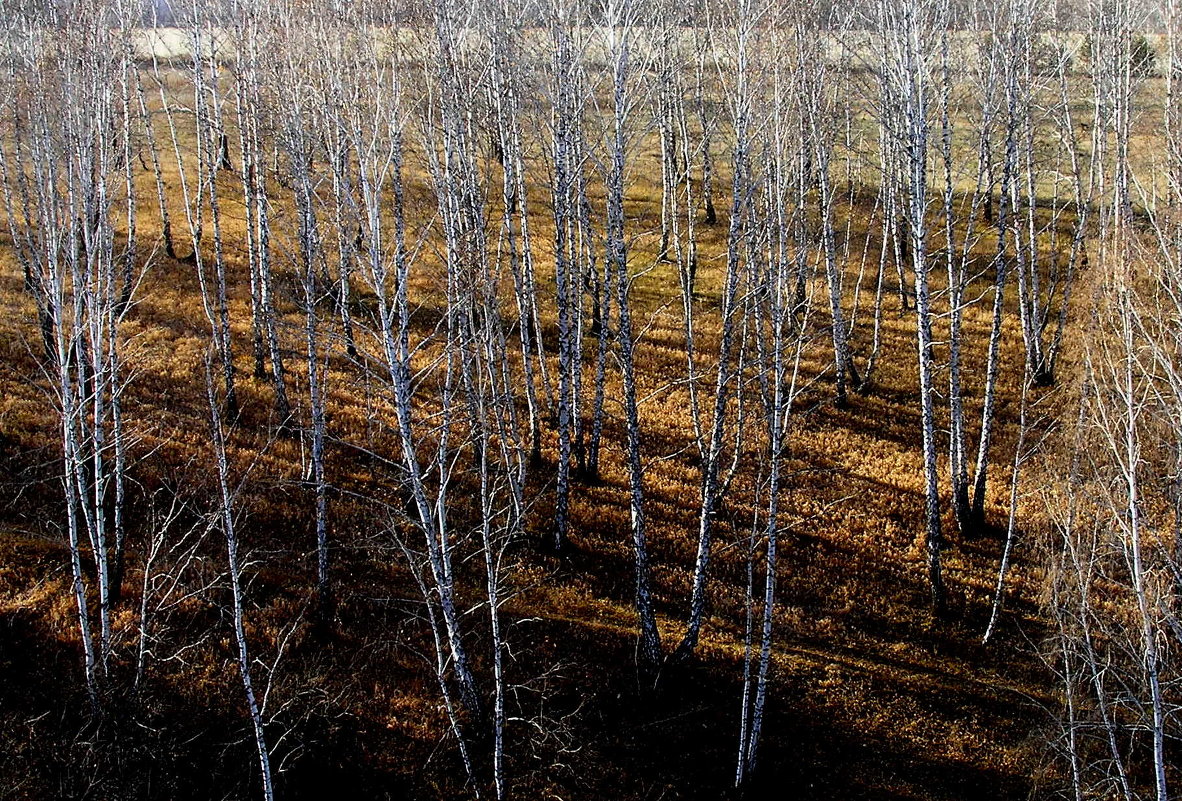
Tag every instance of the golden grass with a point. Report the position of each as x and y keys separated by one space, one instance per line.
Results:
x=871 y=697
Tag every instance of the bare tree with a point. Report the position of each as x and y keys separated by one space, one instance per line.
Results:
x=714 y=478
x=63 y=193
x=226 y=513
x=566 y=146
x=620 y=19
x=910 y=32
x=780 y=318
x=251 y=68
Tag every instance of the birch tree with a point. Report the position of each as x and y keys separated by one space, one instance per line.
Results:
x=780 y=318
x=908 y=30
x=737 y=81
x=65 y=185
x=565 y=147
x=620 y=19
x=226 y=514
x=250 y=66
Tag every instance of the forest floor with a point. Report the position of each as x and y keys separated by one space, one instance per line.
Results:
x=872 y=697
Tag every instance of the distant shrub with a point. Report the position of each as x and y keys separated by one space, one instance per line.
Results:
x=1047 y=55
x=1142 y=55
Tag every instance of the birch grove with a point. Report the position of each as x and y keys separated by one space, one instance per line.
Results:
x=505 y=384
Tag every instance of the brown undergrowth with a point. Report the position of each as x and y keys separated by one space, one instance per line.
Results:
x=872 y=697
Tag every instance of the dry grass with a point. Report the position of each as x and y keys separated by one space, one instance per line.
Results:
x=871 y=697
